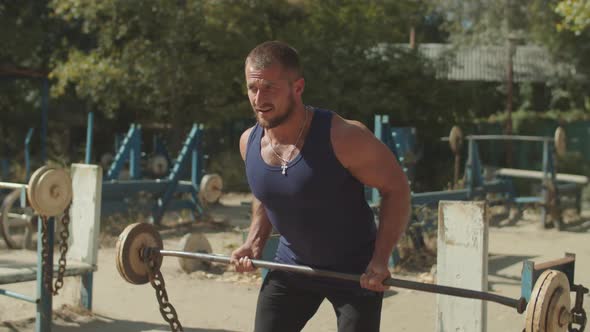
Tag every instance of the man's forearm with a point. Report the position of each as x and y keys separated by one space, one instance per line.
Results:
x=260 y=228
x=393 y=217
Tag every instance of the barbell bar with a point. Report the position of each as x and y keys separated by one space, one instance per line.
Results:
x=559 y=139
x=518 y=304
x=548 y=311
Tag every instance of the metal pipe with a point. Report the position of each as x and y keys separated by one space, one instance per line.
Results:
x=18 y=219
x=28 y=153
x=89 y=128
x=18 y=296
x=10 y=185
x=518 y=304
x=506 y=137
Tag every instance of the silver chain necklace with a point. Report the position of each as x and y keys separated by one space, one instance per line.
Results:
x=284 y=162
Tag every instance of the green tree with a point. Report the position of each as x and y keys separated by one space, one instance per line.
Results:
x=575 y=13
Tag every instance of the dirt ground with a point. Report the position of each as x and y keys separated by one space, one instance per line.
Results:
x=223 y=301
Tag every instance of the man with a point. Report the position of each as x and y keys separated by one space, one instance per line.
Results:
x=307 y=168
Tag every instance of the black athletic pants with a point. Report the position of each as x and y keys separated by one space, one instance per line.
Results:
x=286 y=302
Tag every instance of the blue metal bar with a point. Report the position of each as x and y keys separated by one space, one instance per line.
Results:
x=18 y=296
x=135 y=155
x=380 y=121
x=197 y=158
x=527 y=282
x=44 y=306
x=28 y=153
x=183 y=157
x=197 y=170
x=44 y=117
x=123 y=153
x=5 y=166
x=89 y=129
x=86 y=291
x=129 y=187
x=473 y=169
x=433 y=197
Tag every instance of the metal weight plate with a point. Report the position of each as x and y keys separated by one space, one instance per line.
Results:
x=194 y=242
x=560 y=141
x=549 y=306
x=33 y=180
x=51 y=193
x=15 y=223
x=106 y=160
x=128 y=249
x=456 y=139
x=159 y=165
x=211 y=188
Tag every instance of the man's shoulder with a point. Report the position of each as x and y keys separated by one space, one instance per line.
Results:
x=244 y=140
x=343 y=129
x=348 y=138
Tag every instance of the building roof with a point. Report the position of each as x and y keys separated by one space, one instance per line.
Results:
x=489 y=63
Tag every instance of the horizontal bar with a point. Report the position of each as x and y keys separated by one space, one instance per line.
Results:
x=18 y=296
x=17 y=219
x=433 y=197
x=10 y=185
x=519 y=304
x=118 y=190
x=505 y=138
x=556 y=262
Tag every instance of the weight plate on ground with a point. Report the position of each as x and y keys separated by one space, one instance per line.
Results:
x=159 y=165
x=549 y=306
x=131 y=242
x=33 y=180
x=560 y=141
x=106 y=160
x=15 y=223
x=456 y=139
x=195 y=242
x=211 y=188
x=51 y=194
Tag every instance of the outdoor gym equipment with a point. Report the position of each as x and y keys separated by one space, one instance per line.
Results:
x=139 y=255
x=164 y=194
x=52 y=192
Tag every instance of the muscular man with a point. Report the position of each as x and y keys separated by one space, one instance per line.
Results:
x=307 y=168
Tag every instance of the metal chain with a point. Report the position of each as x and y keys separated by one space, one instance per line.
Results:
x=578 y=313
x=63 y=249
x=46 y=267
x=157 y=281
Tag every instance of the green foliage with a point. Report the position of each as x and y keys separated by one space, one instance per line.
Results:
x=179 y=62
x=576 y=15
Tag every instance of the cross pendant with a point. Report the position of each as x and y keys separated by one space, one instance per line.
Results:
x=284 y=169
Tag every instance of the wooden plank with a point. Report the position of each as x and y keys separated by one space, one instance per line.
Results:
x=538 y=175
x=22 y=272
x=462 y=261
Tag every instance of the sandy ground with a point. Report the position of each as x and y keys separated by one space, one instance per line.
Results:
x=220 y=300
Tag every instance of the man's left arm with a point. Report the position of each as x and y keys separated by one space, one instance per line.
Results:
x=373 y=163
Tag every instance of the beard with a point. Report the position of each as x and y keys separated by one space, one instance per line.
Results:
x=280 y=118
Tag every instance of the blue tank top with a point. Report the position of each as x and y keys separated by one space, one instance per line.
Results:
x=318 y=208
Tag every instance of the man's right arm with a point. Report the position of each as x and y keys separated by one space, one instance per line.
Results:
x=260 y=227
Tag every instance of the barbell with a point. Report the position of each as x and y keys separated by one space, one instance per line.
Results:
x=49 y=190
x=559 y=139
x=49 y=193
x=548 y=310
